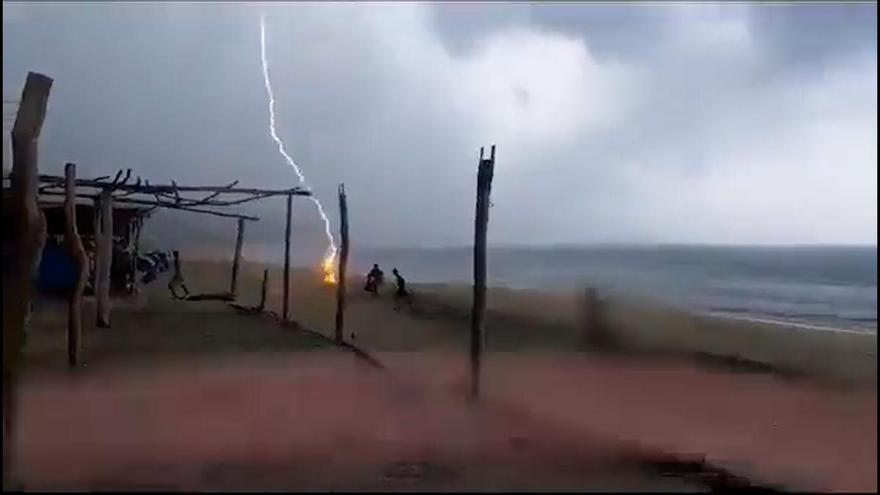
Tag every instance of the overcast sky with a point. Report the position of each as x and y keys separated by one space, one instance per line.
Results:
x=689 y=123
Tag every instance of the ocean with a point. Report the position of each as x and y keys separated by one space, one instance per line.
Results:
x=822 y=286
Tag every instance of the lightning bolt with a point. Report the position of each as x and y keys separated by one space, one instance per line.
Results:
x=330 y=254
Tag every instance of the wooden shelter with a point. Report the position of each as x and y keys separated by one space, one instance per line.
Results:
x=87 y=216
x=91 y=219
x=127 y=223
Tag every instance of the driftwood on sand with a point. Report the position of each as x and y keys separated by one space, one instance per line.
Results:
x=218 y=296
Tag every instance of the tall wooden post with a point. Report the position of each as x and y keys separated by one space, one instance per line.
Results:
x=481 y=221
x=81 y=265
x=233 y=284
x=104 y=257
x=28 y=227
x=343 y=262
x=263 y=290
x=285 y=312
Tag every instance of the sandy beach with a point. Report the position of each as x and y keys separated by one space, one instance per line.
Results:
x=520 y=320
x=417 y=246
x=195 y=384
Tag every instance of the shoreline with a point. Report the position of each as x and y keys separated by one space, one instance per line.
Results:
x=554 y=321
x=642 y=325
x=791 y=323
x=653 y=300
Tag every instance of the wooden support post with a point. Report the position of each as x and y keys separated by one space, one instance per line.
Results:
x=233 y=284
x=104 y=257
x=26 y=223
x=285 y=312
x=96 y=249
x=343 y=262
x=481 y=222
x=263 y=290
x=129 y=248
x=135 y=251
x=81 y=266
x=96 y=239
x=132 y=260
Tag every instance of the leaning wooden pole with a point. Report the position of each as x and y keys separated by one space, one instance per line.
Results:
x=343 y=263
x=263 y=290
x=239 y=239
x=104 y=257
x=81 y=266
x=481 y=222
x=27 y=226
x=285 y=312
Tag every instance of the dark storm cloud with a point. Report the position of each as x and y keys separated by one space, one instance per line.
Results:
x=609 y=29
x=801 y=35
x=614 y=122
x=175 y=92
x=814 y=35
x=752 y=78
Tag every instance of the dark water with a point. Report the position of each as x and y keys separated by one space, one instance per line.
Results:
x=827 y=286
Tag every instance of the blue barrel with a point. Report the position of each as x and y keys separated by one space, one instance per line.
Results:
x=57 y=272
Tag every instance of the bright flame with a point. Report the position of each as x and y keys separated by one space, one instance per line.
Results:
x=328 y=263
x=328 y=267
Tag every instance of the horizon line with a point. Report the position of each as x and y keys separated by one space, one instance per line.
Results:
x=627 y=244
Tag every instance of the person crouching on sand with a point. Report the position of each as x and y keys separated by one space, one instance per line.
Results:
x=177 y=279
x=401 y=294
x=374 y=280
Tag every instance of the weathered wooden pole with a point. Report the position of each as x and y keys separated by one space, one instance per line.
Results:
x=343 y=262
x=285 y=312
x=96 y=239
x=263 y=290
x=26 y=223
x=481 y=222
x=233 y=284
x=137 y=249
x=96 y=230
x=129 y=247
x=104 y=256
x=81 y=266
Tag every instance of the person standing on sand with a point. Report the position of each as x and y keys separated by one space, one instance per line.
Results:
x=177 y=279
x=401 y=293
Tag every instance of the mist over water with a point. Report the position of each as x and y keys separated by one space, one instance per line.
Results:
x=828 y=286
